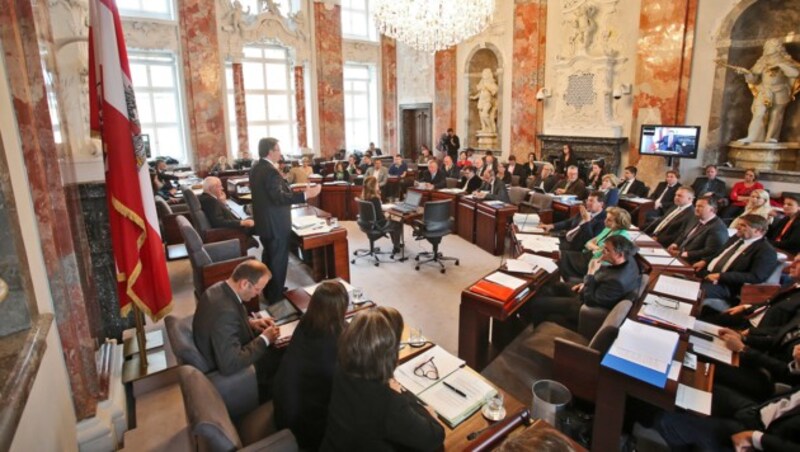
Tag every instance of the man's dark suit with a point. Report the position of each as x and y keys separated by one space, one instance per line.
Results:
x=586 y=231
x=496 y=191
x=518 y=170
x=702 y=242
x=528 y=170
x=549 y=183
x=668 y=200
x=752 y=266
x=218 y=215
x=638 y=188
x=272 y=212
x=790 y=240
x=702 y=185
x=672 y=230
x=473 y=184
x=438 y=180
x=454 y=172
x=577 y=188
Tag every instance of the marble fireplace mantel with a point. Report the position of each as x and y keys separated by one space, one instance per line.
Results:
x=585 y=148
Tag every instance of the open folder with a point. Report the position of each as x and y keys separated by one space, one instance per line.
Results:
x=643 y=352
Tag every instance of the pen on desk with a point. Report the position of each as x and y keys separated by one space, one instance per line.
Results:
x=454 y=389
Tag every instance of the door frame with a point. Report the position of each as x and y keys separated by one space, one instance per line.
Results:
x=417 y=106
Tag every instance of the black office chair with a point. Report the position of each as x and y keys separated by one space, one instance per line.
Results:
x=368 y=223
x=436 y=223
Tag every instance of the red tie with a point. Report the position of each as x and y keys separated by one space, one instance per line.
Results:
x=785 y=228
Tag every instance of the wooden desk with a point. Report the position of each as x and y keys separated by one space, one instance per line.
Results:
x=329 y=250
x=491 y=226
x=335 y=199
x=638 y=210
x=456 y=439
x=678 y=266
x=465 y=211
x=564 y=210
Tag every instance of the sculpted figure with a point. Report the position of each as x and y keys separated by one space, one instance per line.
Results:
x=487 y=101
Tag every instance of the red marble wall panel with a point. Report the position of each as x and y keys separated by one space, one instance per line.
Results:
x=389 y=93
x=300 y=106
x=21 y=34
x=201 y=67
x=241 y=109
x=663 y=65
x=527 y=75
x=444 y=107
x=330 y=83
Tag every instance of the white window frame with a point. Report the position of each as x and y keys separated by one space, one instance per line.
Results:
x=140 y=12
x=353 y=139
x=346 y=12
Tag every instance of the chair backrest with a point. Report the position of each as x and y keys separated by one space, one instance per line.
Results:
x=194 y=245
x=367 y=217
x=196 y=211
x=162 y=207
x=607 y=332
x=452 y=182
x=541 y=201
x=515 y=180
x=517 y=194
x=209 y=421
x=437 y=215
x=181 y=339
x=643 y=285
x=775 y=276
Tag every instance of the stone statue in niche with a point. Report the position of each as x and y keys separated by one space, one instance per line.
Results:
x=583 y=26
x=487 y=102
x=774 y=81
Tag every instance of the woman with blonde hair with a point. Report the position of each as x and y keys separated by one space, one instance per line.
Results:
x=575 y=264
x=757 y=204
x=609 y=188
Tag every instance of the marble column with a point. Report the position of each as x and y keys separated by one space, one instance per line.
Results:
x=444 y=97
x=300 y=106
x=23 y=33
x=203 y=73
x=663 y=65
x=389 y=93
x=527 y=75
x=240 y=107
x=330 y=82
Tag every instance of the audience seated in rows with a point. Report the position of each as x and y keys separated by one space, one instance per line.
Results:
x=463 y=160
x=166 y=185
x=243 y=162
x=366 y=163
x=631 y=186
x=379 y=172
x=545 y=181
x=785 y=233
x=595 y=176
x=492 y=188
x=757 y=204
x=740 y=194
x=352 y=165
x=513 y=169
x=529 y=169
x=433 y=176
x=608 y=187
x=575 y=264
x=503 y=174
x=576 y=231
x=571 y=185
x=340 y=173
x=664 y=194
x=221 y=165
x=398 y=167
x=711 y=186
x=702 y=240
x=425 y=156
x=667 y=229
x=470 y=181
x=449 y=168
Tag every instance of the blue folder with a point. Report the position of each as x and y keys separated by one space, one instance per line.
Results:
x=637 y=371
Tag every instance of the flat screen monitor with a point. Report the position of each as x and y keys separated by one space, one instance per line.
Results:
x=669 y=141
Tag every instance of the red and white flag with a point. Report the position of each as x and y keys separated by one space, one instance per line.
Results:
x=138 y=252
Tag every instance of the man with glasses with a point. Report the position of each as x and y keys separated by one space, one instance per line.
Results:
x=576 y=231
x=227 y=337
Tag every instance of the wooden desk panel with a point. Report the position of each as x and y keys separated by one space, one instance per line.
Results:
x=466 y=218
x=563 y=211
x=637 y=210
x=329 y=249
x=491 y=226
x=334 y=199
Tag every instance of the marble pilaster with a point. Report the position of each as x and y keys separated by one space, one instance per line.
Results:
x=300 y=104
x=389 y=93
x=663 y=65
x=24 y=32
x=530 y=30
x=241 y=108
x=330 y=82
x=444 y=104
x=201 y=68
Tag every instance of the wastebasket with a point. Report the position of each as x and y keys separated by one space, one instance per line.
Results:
x=550 y=398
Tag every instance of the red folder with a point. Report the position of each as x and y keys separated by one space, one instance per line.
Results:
x=492 y=290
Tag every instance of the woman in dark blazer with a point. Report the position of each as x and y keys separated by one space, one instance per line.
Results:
x=369 y=411
x=595 y=176
x=785 y=233
x=529 y=169
x=340 y=173
x=303 y=383
x=372 y=193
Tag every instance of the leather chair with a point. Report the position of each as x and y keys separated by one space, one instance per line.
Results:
x=239 y=391
x=212 y=428
x=170 y=233
x=552 y=351
x=593 y=317
x=368 y=223
x=538 y=202
x=207 y=233
x=211 y=262
x=435 y=224
x=452 y=182
x=515 y=180
x=517 y=194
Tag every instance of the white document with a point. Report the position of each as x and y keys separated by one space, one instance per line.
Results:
x=520 y=266
x=646 y=345
x=454 y=191
x=530 y=229
x=678 y=287
x=539 y=243
x=506 y=280
x=310 y=289
x=321 y=229
x=638 y=200
x=705 y=327
x=693 y=399
x=526 y=219
x=445 y=365
x=452 y=405
x=287 y=329
x=715 y=349
x=307 y=221
x=549 y=265
x=654 y=252
x=664 y=261
x=668 y=311
x=643 y=238
x=675 y=370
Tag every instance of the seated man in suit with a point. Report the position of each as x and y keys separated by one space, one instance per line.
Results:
x=572 y=185
x=470 y=182
x=450 y=169
x=785 y=233
x=703 y=239
x=546 y=180
x=630 y=186
x=747 y=258
x=610 y=279
x=583 y=227
x=226 y=337
x=710 y=185
x=515 y=170
x=664 y=195
x=366 y=163
x=379 y=172
x=433 y=177
x=212 y=200
x=492 y=188
x=665 y=230
x=399 y=167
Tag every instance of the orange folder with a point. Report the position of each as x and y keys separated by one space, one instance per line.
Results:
x=492 y=290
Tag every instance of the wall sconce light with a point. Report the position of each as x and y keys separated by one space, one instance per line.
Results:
x=622 y=89
x=542 y=94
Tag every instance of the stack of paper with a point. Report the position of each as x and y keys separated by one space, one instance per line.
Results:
x=539 y=243
x=442 y=361
x=661 y=252
x=643 y=352
x=307 y=222
x=506 y=280
x=714 y=349
x=667 y=311
x=545 y=263
x=522 y=219
x=387 y=206
x=685 y=289
x=454 y=191
x=520 y=266
x=663 y=261
x=693 y=399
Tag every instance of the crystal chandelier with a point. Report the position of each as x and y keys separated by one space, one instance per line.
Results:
x=432 y=25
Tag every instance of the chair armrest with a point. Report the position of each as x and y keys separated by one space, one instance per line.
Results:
x=224 y=250
x=239 y=390
x=282 y=441
x=758 y=293
x=181 y=208
x=577 y=367
x=219 y=271
x=220 y=234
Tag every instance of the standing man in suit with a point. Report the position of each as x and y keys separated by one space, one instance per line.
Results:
x=582 y=227
x=433 y=177
x=666 y=229
x=710 y=185
x=747 y=258
x=226 y=337
x=664 y=194
x=572 y=185
x=272 y=212
x=492 y=188
x=470 y=182
x=703 y=240
x=631 y=186
x=785 y=233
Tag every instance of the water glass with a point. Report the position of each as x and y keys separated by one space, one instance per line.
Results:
x=356 y=295
x=333 y=222
x=415 y=338
x=495 y=403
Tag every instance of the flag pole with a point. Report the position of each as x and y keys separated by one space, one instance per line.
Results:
x=138 y=317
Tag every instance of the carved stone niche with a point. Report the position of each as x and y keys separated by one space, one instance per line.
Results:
x=483 y=57
x=585 y=149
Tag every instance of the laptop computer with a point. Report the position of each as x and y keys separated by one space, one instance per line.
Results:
x=411 y=203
